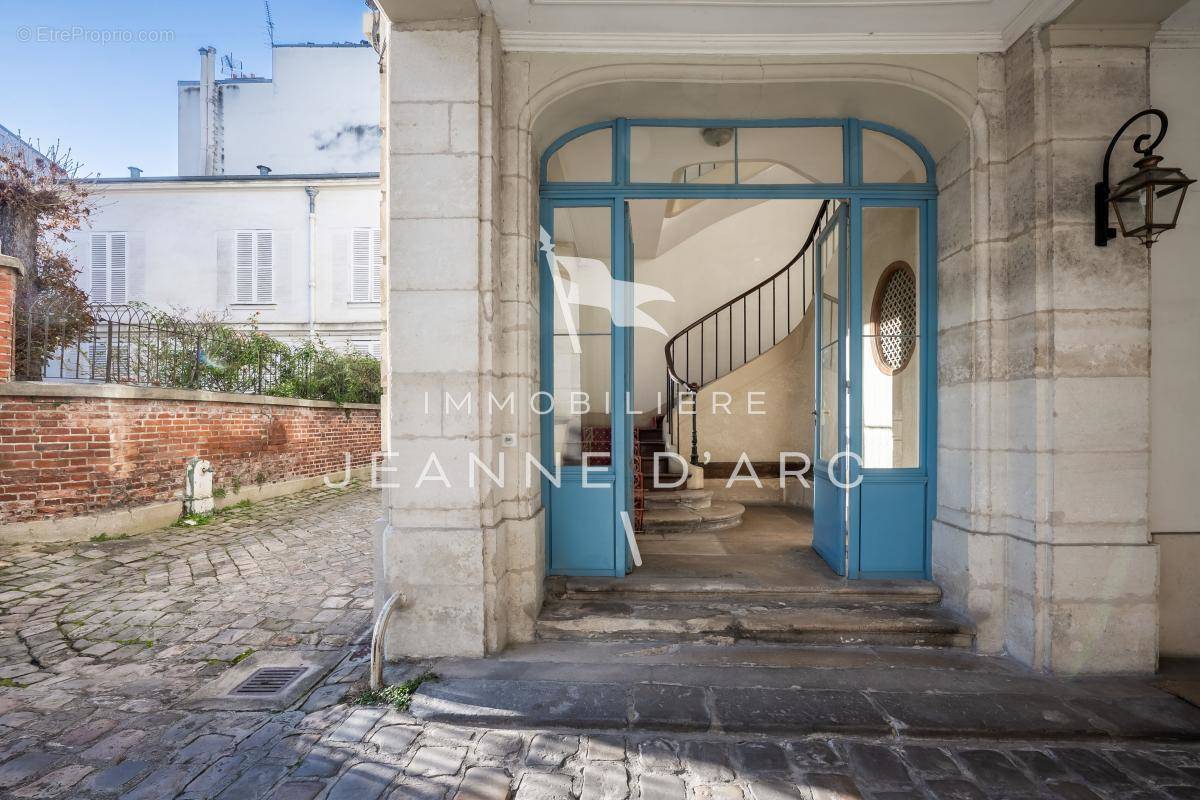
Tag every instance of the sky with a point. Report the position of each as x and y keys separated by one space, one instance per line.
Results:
x=99 y=76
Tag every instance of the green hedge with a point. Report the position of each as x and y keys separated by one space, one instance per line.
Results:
x=218 y=357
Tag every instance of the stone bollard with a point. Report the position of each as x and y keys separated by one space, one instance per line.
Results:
x=10 y=270
x=198 y=487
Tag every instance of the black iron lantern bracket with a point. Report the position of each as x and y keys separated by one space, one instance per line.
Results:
x=1104 y=232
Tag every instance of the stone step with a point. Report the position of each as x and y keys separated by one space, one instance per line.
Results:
x=794 y=623
x=639 y=586
x=676 y=498
x=789 y=690
x=715 y=517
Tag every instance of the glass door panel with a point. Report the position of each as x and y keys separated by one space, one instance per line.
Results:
x=829 y=494
x=579 y=429
x=891 y=314
x=891 y=503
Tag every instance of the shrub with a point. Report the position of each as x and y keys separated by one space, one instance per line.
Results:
x=216 y=356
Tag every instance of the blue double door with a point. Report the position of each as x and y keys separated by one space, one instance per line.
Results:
x=873 y=404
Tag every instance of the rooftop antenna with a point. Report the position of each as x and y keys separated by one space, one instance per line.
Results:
x=231 y=68
x=270 y=22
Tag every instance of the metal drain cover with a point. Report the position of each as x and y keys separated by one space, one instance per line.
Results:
x=269 y=680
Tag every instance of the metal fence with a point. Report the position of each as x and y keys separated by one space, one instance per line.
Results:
x=60 y=339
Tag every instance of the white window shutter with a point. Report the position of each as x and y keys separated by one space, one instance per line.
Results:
x=264 y=267
x=117 y=272
x=376 y=263
x=244 y=267
x=368 y=347
x=360 y=265
x=99 y=268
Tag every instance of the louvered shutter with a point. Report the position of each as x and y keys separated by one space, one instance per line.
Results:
x=264 y=267
x=360 y=265
x=100 y=267
x=243 y=254
x=376 y=262
x=117 y=273
x=368 y=347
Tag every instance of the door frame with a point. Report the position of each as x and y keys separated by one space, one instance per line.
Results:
x=617 y=191
x=926 y=473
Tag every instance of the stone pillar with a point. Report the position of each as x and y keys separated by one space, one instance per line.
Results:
x=443 y=542
x=10 y=270
x=1043 y=533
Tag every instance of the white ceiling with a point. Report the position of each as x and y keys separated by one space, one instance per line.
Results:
x=763 y=27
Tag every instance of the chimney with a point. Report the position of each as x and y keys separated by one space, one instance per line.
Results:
x=135 y=172
x=208 y=102
x=263 y=169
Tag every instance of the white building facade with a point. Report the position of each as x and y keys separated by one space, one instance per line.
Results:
x=274 y=216
x=1057 y=447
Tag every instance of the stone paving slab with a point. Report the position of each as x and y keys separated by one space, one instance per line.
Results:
x=82 y=719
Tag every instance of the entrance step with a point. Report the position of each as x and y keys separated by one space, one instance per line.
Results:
x=640 y=586
x=790 y=690
x=814 y=623
x=678 y=518
x=676 y=498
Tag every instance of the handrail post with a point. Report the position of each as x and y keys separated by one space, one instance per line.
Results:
x=695 y=392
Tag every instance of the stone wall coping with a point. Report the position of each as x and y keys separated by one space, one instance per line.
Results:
x=12 y=263
x=116 y=391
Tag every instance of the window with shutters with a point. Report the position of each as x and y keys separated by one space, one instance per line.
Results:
x=254 y=267
x=369 y=347
x=365 y=260
x=108 y=268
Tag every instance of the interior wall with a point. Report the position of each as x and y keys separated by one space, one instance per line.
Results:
x=1175 y=359
x=762 y=409
x=732 y=253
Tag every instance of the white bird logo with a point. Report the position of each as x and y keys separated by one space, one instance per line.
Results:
x=589 y=283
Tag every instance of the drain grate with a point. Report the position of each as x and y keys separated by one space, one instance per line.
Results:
x=269 y=680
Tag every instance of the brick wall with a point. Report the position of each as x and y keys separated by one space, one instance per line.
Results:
x=87 y=451
x=10 y=270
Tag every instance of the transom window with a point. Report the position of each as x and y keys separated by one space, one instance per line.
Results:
x=777 y=153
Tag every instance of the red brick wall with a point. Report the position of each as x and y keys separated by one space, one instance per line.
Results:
x=8 y=288
x=69 y=456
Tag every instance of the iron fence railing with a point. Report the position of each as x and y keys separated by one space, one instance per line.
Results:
x=60 y=339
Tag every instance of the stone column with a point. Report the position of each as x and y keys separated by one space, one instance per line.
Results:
x=1043 y=528
x=443 y=541
x=10 y=270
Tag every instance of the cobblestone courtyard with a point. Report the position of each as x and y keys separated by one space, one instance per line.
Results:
x=103 y=641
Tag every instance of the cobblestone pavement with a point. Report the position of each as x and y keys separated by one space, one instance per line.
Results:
x=101 y=643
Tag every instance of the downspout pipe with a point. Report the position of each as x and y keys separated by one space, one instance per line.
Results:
x=312 y=193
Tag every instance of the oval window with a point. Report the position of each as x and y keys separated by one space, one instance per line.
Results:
x=894 y=318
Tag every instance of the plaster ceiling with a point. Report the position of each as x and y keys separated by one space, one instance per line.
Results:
x=770 y=26
x=1119 y=12
x=1186 y=17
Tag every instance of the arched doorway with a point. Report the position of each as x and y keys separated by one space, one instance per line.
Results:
x=869 y=284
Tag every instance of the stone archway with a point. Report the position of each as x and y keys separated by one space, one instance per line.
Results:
x=959 y=123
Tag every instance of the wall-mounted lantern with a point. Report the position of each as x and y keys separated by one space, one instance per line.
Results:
x=1148 y=201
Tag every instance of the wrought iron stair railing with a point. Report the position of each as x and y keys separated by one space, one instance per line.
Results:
x=724 y=340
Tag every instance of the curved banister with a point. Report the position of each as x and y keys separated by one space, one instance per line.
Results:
x=669 y=348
